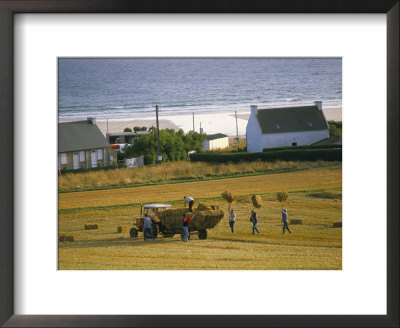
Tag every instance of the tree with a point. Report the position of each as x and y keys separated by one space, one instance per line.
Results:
x=174 y=146
x=127 y=130
x=138 y=128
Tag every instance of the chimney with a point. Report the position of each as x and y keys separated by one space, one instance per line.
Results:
x=92 y=120
x=318 y=104
x=253 y=109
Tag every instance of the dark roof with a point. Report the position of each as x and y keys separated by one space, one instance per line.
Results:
x=74 y=136
x=215 y=136
x=291 y=119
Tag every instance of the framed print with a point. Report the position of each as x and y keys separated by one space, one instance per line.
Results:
x=47 y=280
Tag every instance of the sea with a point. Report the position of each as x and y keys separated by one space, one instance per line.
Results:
x=120 y=88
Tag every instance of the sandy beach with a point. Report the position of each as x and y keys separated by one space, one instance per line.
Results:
x=212 y=123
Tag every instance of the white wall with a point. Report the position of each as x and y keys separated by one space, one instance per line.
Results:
x=253 y=135
x=286 y=139
x=136 y=161
x=220 y=143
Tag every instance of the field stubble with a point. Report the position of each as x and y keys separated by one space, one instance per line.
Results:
x=315 y=197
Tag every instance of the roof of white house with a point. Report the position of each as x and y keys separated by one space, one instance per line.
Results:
x=215 y=136
x=291 y=119
x=80 y=135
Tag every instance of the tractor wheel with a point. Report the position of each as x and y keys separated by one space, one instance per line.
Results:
x=202 y=234
x=155 y=229
x=133 y=233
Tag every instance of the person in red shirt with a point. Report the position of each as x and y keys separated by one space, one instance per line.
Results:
x=185 y=227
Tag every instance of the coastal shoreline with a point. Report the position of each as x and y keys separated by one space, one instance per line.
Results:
x=211 y=123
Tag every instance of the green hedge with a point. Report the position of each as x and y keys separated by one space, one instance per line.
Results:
x=303 y=147
x=270 y=156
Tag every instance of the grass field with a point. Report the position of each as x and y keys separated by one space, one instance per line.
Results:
x=172 y=172
x=315 y=197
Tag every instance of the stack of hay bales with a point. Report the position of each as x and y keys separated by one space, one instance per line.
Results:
x=172 y=217
x=207 y=219
x=203 y=207
x=91 y=226
x=228 y=196
x=257 y=203
x=203 y=218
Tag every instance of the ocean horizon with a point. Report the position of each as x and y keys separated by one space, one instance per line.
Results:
x=122 y=88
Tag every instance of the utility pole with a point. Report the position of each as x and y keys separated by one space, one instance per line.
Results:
x=107 y=124
x=237 y=131
x=159 y=158
x=193 y=122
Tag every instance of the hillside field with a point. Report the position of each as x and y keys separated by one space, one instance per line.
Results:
x=315 y=198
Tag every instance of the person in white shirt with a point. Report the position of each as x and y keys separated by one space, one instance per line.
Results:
x=232 y=219
x=189 y=200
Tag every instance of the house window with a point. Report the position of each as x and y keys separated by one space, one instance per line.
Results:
x=294 y=144
x=111 y=158
x=82 y=156
x=100 y=154
x=63 y=158
x=277 y=126
x=310 y=124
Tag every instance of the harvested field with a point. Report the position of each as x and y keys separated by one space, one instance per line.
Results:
x=293 y=181
x=311 y=246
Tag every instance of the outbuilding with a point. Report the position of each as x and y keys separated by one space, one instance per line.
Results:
x=287 y=126
x=216 y=141
x=81 y=145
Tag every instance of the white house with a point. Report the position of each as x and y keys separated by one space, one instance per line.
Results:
x=289 y=126
x=216 y=141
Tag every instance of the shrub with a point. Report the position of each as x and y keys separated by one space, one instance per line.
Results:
x=270 y=156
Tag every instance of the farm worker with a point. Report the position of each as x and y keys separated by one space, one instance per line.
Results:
x=189 y=200
x=284 y=220
x=185 y=227
x=147 y=227
x=232 y=218
x=254 y=219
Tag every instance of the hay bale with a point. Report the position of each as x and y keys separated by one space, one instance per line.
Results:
x=203 y=207
x=296 y=221
x=337 y=224
x=282 y=196
x=91 y=226
x=66 y=238
x=214 y=207
x=228 y=196
x=257 y=203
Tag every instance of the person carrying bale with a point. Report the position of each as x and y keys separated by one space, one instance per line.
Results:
x=232 y=218
x=254 y=220
x=189 y=200
x=185 y=227
x=147 y=228
x=285 y=221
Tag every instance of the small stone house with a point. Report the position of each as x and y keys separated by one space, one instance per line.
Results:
x=289 y=126
x=81 y=145
x=216 y=141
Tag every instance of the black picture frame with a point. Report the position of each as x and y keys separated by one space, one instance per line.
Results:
x=10 y=7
